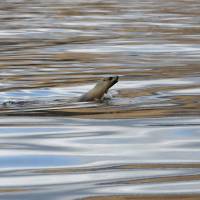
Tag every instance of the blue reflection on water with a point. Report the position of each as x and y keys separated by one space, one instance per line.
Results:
x=37 y=161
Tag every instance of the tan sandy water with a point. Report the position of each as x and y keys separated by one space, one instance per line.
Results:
x=142 y=142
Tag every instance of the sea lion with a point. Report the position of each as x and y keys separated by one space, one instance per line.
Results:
x=100 y=89
x=94 y=94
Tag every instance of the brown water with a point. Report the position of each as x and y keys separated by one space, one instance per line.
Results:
x=142 y=143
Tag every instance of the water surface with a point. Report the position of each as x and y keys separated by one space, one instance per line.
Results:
x=142 y=142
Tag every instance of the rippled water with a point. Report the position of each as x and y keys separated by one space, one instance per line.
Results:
x=141 y=143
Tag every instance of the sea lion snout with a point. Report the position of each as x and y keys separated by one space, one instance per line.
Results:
x=113 y=80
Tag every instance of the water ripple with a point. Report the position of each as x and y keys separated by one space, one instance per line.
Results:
x=141 y=142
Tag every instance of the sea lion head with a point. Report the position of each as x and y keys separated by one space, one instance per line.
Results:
x=103 y=86
x=100 y=89
x=109 y=82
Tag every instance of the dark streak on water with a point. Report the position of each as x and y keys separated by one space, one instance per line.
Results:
x=143 y=143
